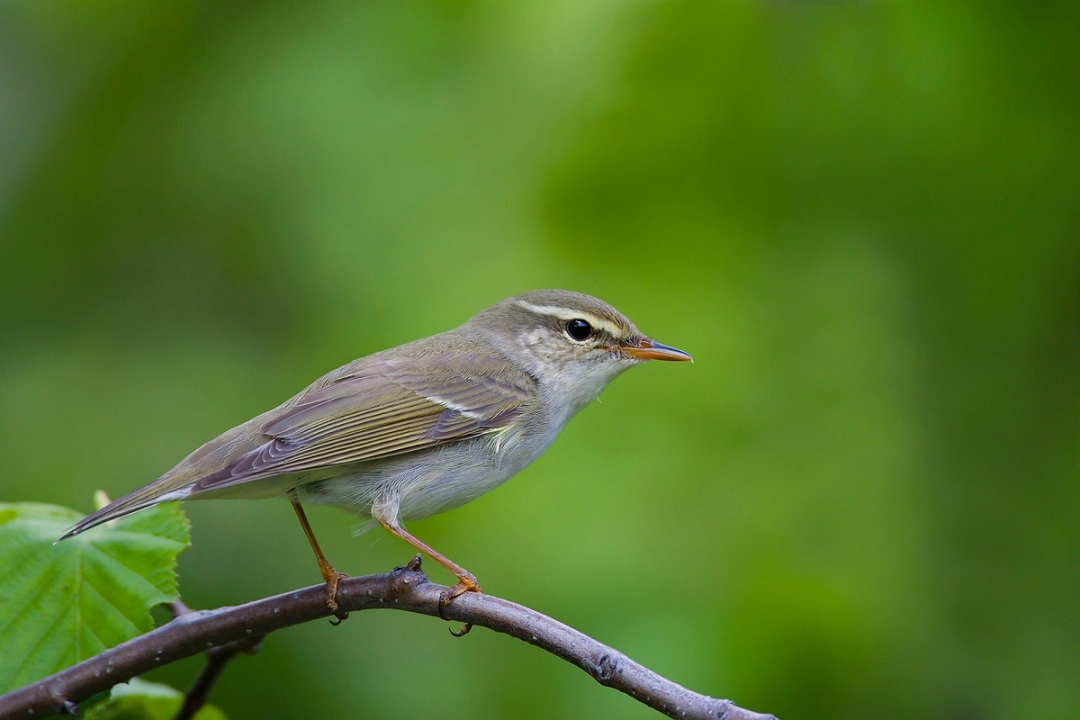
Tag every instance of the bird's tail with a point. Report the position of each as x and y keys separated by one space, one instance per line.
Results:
x=142 y=498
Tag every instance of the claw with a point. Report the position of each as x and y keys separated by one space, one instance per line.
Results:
x=463 y=631
x=333 y=577
x=466 y=583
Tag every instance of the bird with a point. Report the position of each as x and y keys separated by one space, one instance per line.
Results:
x=417 y=429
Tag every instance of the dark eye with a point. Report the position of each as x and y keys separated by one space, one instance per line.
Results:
x=578 y=329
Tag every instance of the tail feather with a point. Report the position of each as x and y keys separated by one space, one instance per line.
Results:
x=130 y=503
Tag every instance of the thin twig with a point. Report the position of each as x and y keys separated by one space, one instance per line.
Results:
x=178 y=608
x=216 y=660
x=401 y=589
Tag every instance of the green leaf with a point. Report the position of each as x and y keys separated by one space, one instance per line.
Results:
x=141 y=700
x=60 y=604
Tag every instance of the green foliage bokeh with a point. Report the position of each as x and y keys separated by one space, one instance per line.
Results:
x=863 y=220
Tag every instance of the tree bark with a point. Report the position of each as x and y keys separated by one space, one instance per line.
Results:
x=404 y=588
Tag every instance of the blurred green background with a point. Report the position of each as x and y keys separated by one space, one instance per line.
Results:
x=862 y=219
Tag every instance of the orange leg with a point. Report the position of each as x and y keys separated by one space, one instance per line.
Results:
x=466 y=580
x=330 y=575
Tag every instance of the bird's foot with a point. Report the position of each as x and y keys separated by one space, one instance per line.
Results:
x=333 y=577
x=466 y=583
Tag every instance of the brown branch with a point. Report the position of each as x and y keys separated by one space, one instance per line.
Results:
x=216 y=660
x=401 y=589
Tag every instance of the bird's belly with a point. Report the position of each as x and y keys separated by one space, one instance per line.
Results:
x=420 y=484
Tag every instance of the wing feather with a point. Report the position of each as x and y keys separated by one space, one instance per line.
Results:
x=379 y=410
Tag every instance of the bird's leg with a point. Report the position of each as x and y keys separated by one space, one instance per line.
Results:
x=466 y=580
x=330 y=575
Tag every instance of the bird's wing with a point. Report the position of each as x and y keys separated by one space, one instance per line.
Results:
x=373 y=408
x=382 y=409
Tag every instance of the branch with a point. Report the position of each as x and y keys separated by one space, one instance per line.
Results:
x=216 y=660
x=404 y=588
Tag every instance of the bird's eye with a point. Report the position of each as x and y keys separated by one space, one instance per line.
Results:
x=578 y=329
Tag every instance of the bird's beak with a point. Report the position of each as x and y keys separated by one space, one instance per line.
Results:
x=646 y=349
